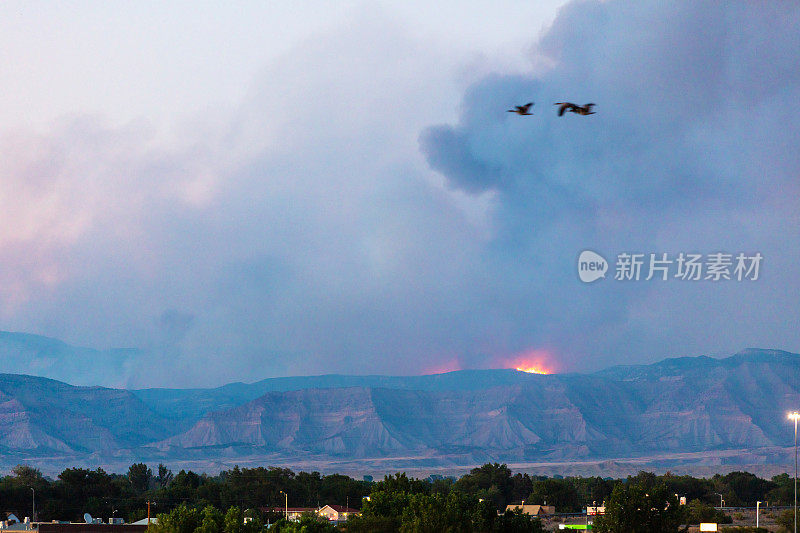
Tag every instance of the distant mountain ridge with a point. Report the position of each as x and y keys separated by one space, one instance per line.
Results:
x=55 y=359
x=721 y=410
x=42 y=416
x=196 y=402
x=679 y=405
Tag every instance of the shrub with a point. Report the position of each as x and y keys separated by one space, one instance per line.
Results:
x=698 y=512
x=786 y=521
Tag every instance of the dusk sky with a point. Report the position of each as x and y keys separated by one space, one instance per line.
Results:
x=254 y=189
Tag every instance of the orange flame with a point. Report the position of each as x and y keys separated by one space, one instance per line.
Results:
x=532 y=369
x=532 y=362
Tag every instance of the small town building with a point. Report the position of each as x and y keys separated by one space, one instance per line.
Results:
x=292 y=513
x=145 y=521
x=10 y=522
x=337 y=513
x=533 y=510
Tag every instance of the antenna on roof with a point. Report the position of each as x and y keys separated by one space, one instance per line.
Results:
x=87 y=518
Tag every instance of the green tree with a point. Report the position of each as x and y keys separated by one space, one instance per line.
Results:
x=783 y=491
x=341 y=490
x=139 y=476
x=402 y=483
x=743 y=488
x=28 y=476
x=371 y=524
x=559 y=492
x=81 y=490
x=387 y=504
x=455 y=513
x=164 y=476
x=212 y=520
x=521 y=487
x=308 y=523
x=641 y=507
x=517 y=522
x=234 y=522
x=182 y=519
x=489 y=482
x=690 y=487
x=698 y=512
x=429 y=514
x=644 y=479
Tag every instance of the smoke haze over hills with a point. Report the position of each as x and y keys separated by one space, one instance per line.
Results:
x=680 y=413
x=365 y=204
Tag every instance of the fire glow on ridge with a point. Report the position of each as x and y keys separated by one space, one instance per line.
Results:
x=532 y=369
x=536 y=361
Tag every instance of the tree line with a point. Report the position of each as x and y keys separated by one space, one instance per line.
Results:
x=396 y=503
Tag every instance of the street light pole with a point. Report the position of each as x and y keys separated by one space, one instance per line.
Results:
x=33 y=505
x=720 y=500
x=757 y=506
x=286 y=514
x=794 y=416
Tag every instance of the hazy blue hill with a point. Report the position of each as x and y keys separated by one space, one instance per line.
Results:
x=194 y=403
x=730 y=407
x=757 y=355
x=39 y=415
x=700 y=364
x=676 y=406
x=52 y=358
x=660 y=369
x=191 y=404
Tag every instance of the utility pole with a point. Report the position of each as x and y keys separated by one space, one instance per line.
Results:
x=587 y=516
x=286 y=513
x=794 y=416
x=758 y=504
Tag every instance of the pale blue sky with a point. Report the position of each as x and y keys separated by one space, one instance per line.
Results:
x=164 y=60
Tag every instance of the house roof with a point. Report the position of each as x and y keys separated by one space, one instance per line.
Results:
x=532 y=509
x=341 y=509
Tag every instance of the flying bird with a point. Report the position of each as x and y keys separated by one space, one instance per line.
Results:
x=572 y=108
x=522 y=109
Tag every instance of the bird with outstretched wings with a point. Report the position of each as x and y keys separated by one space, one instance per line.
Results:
x=522 y=109
x=572 y=108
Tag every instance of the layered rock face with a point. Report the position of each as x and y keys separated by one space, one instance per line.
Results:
x=686 y=405
x=680 y=405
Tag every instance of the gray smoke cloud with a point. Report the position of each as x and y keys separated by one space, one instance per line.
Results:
x=688 y=151
x=330 y=225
